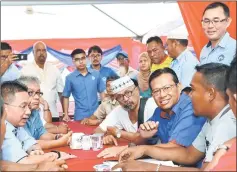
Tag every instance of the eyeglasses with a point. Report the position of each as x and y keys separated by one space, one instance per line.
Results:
x=95 y=55
x=166 y=89
x=215 y=22
x=32 y=93
x=128 y=94
x=79 y=59
x=23 y=107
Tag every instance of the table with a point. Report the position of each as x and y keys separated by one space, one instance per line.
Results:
x=85 y=159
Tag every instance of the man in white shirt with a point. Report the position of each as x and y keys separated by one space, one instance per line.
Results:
x=125 y=116
x=51 y=83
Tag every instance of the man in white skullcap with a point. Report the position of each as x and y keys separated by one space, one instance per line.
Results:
x=184 y=61
x=126 y=116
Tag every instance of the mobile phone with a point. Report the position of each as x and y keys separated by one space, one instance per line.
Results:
x=21 y=57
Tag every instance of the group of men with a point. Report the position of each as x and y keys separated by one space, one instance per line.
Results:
x=184 y=128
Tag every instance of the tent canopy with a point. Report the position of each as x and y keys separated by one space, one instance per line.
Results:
x=90 y=21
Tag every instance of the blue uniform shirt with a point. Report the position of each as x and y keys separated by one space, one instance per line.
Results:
x=84 y=91
x=184 y=67
x=222 y=53
x=16 y=142
x=182 y=127
x=34 y=125
x=12 y=73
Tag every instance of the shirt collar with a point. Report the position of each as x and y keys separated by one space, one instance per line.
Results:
x=181 y=55
x=90 y=67
x=216 y=119
x=89 y=70
x=223 y=42
x=9 y=126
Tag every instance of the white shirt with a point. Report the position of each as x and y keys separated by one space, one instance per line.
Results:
x=51 y=82
x=120 y=118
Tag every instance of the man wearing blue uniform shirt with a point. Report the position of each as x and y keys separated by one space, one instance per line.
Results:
x=184 y=61
x=221 y=48
x=95 y=54
x=8 y=70
x=84 y=84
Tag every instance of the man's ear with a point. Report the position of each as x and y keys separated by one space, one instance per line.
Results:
x=229 y=20
x=234 y=97
x=211 y=94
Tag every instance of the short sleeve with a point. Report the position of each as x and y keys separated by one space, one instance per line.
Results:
x=39 y=128
x=68 y=88
x=110 y=120
x=12 y=148
x=149 y=109
x=200 y=142
x=100 y=112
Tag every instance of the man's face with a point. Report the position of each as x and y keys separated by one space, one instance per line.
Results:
x=4 y=55
x=171 y=48
x=79 y=61
x=3 y=127
x=122 y=61
x=165 y=92
x=232 y=100
x=155 y=52
x=128 y=98
x=215 y=23
x=34 y=92
x=108 y=88
x=95 y=58
x=18 y=110
x=199 y=95
x=40 y=53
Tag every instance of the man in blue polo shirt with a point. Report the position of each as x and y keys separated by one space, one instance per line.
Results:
x=221 y=48
x=95 y=54
x=173 y=123
x=84 y=84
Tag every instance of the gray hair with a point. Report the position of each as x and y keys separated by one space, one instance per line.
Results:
x=29 y=80
x=37 y=43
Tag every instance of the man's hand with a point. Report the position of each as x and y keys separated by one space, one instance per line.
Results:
x=65 y=139
x=11 y=57
x=66 y=118
x=132 y=153
x=111 y=152
x=148 y=129
x=59 y=165
x=135 y=166
x=63 y=128
x=109 y=139
x=65 y=156
x=37 y=152
x=50 y=157
x=85 y=121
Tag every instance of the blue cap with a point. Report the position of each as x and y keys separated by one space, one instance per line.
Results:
x=123 y=53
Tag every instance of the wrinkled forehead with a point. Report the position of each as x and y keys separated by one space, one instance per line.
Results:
x=130 y=88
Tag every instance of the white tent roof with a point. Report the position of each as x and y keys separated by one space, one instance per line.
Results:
x=90 y=21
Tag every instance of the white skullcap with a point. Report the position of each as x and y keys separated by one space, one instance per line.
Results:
x=121 y=84
x=178 y=34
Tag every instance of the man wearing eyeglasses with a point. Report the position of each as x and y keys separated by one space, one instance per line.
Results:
x=125 y=116
x=34 y=125
x=83 y=84
x=221 y=48
x=95 y=54
x=8 y=70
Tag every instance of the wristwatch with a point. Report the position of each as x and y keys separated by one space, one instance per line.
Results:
x=118 y=133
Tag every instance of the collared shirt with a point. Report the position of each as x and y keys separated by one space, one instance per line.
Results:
x=16 y=143
x=215 y=132
x=51 y=82
x=165 y=63
x=105 y=72
x=119 y=117
x=184 y=67
x=34 y=125
x=181 y=127
x=223 y=52
x=84 y=91
x=12 y=73
x=132 y=73
x=105 y=108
